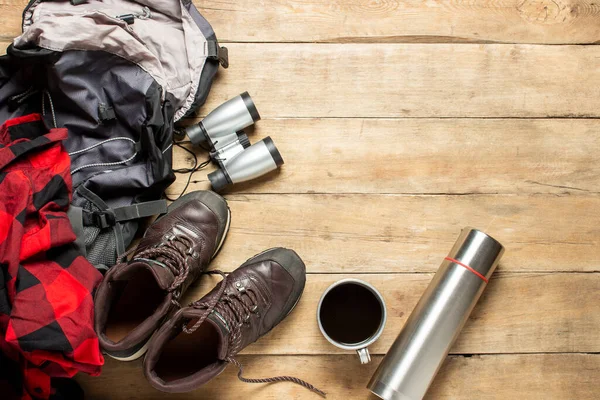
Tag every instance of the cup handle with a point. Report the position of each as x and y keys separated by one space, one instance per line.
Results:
x=364 y=355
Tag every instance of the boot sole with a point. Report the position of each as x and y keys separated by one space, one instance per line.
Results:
x=225 y=232
x=135 y=355
x=144 y=348
x=294 y=306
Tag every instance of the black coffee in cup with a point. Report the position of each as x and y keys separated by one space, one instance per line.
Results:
x=351 y=313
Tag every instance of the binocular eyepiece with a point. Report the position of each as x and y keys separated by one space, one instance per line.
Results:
x=229 y=146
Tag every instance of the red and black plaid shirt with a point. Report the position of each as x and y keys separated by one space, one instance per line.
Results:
x=46 y=301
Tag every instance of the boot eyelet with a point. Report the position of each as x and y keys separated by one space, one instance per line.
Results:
x=193 y=254
x=254 y=308
x=239 y=287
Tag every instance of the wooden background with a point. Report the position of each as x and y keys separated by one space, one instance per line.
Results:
x=400 y=123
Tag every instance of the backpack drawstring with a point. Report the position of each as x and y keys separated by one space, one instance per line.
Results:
x=106 y=164
x=195 y=168
x=44 y=94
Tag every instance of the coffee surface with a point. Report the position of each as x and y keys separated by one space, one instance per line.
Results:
x=350 y=314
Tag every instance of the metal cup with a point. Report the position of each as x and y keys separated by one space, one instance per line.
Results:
x=360 y=346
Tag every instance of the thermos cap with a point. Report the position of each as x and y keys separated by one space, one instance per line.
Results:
x=477 y=250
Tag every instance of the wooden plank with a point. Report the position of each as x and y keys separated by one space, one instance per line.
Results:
x=12 y=13
x=393 y=233
x=425 y=156
x=518 y=313
x=543 y=376
x=414 y=21
x=3 y=45
x=411 y=80
x=513 y=21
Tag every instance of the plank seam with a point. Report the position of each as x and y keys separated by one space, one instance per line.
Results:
x=500 y=273
x=457 y=355
x=396 y=194
x=392 y=118
x=386 y=40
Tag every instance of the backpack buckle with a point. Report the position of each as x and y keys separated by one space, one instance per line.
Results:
x=106 y=112
x=104 y=219
x=218 y=53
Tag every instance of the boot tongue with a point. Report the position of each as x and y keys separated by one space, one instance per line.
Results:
x=163 y=275
x=215 y=320
x=220 y=325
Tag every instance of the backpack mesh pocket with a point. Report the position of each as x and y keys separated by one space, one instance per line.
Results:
x=100 y=243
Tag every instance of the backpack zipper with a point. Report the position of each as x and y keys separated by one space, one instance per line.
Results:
x=130 y=18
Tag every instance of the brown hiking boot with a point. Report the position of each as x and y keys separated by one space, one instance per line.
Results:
x=198 y=342
x=136 y=296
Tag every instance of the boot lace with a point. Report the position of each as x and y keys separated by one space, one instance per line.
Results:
x=236 y=312
x=173 y=257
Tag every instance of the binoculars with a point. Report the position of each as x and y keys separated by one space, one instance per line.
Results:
x=229 y=146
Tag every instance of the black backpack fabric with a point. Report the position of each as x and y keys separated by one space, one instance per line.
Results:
x=117 y=74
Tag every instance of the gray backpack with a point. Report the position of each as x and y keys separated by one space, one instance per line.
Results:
x=118 y=74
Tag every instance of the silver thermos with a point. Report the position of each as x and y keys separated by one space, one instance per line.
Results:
x=412 y=362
